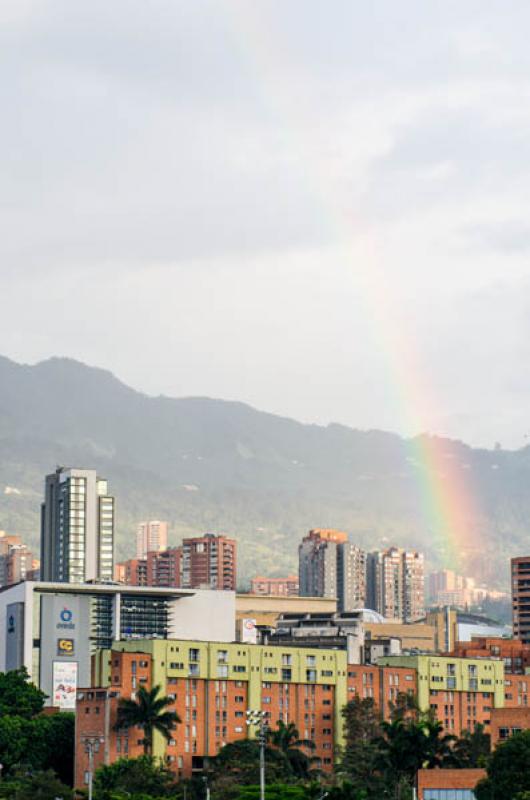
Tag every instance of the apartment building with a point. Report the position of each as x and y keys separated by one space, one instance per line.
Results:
x=16 y=561
x=520 y=574
x=514 y=654
x=331 y=566
x=395 y=580
x=151 y=537
x=209 y=561
x=212 y=685
x=158 y=568
x=132 y=572
x=276 y=587
x=164 y=567
x=460 y=691
x=77 y=527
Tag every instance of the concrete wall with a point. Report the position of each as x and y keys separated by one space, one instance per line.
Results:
x=208 y=615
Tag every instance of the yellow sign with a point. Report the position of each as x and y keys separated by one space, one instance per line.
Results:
x=65 y=647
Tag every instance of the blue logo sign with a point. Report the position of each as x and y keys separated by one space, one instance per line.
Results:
x=11 y=624
x=66 y=617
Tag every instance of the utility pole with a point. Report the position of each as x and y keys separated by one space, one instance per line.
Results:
x=257 y=718
x=92 y=744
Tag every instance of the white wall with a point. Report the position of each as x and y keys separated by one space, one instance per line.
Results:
x=207 y=615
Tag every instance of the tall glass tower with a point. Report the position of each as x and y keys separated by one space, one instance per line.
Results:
x=77 y=527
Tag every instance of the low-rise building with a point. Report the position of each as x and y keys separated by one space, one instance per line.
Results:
x=448 y=784
x=282 y=587
x=507 y=721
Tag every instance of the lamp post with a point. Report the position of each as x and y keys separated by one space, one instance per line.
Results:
x=257 y=719
x=92 y=744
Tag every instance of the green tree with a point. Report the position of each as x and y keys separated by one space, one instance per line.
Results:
x=133 y=776
x=35 y=786
x=287 y=739
x=19 y=697
x=508 y=770
x=15 y=739
x=472 y=749
x=274 y=791
x=237 y=764
x=363 y=751
x=148 y=712
x=410 y=743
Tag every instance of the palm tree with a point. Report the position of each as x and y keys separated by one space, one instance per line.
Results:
x=287 y=739
x=147 y=711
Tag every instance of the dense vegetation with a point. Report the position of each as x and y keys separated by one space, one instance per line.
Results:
x=222 y=466
x=36 y=749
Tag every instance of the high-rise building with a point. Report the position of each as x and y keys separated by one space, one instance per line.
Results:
x=164 y=568
x=277 y=587
x=331 y=566
x=16 y=561
x=77 y=527
x=209 y=562
x=132 y=572
x=151 y=537
x=521 y=598
x=395 y=581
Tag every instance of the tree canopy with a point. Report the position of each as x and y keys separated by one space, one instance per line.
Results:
x=147 y=711
x=508 y=770
x=133 y=776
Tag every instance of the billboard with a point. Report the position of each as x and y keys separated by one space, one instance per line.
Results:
x=64 y=637
x=64 y=684
x=249 y=632
x=14 y=636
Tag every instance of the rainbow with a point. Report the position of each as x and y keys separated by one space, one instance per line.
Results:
x=447 y=499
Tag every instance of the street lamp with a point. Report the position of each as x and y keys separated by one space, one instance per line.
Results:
x=257 y=719
x=92 y=744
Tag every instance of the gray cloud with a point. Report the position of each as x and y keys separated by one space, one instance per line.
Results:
x=297 y=205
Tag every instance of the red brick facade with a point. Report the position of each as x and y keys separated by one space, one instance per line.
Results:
x=448 y=779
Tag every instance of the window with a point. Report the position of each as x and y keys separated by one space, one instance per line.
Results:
x=239 y=699
x=311 y=661
x=310 y=675
x=222 y=656
x=194 y=654
x=287 y=659
x=176 y=665
x=222 y=670
x=286 y=674
x=239 y=668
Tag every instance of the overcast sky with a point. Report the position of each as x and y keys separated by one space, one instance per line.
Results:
x=319 y=208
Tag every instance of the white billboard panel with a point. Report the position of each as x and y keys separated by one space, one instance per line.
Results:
x=64 y=684
x=249 y=632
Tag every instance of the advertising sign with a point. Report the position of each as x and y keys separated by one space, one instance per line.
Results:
x=249 y=633
x=64 y=684
x=14 y=635
x=65 y=647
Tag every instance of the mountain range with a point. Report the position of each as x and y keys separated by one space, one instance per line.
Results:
x=213 y=465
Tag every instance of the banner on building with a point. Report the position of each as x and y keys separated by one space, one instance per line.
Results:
x=64 y=684
x=249 y=632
